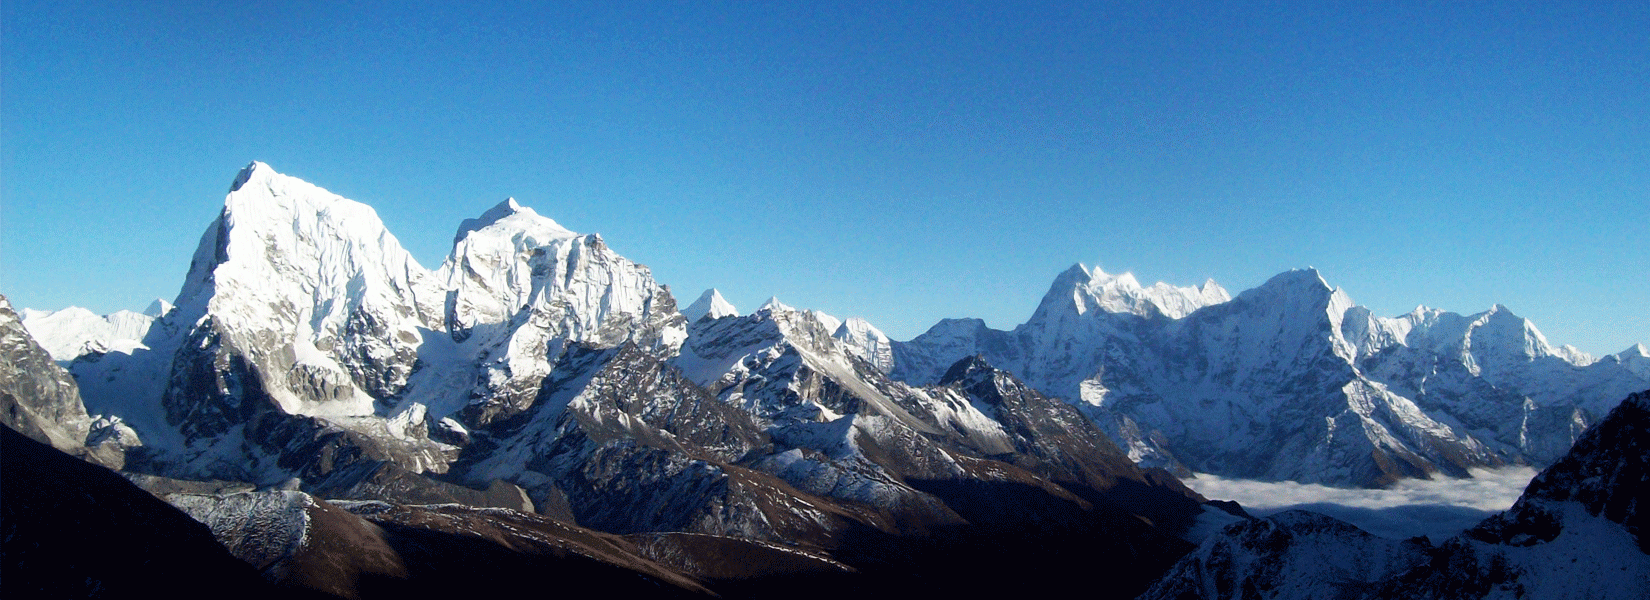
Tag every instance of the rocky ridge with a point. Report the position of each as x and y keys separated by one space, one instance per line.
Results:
x=40 y=400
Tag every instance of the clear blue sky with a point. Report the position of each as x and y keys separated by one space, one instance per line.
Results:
x=898 y=161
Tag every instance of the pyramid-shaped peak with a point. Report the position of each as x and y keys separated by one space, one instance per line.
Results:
x=774 y=305
x=508 y=208
x=710 y=304
x=281 y=196
x=158 y=308
x=1074 y=276
x=1300 y=290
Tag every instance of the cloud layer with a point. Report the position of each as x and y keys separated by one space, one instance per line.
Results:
x=1437 y=508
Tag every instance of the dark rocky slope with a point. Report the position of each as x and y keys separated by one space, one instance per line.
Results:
x=76 y=530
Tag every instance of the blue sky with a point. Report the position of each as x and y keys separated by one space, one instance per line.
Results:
x=901 y=161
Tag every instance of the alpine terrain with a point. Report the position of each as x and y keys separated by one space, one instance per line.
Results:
x=1292 y=380
x=348 y=421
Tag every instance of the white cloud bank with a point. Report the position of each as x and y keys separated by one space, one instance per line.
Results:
x=1437 y=508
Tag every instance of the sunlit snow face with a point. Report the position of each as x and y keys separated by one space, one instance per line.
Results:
x=1437 y=509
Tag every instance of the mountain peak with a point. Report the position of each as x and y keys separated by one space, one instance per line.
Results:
x=503 y=209
x=1124 y=279
x=710 y=304
x=866 y=341
x=523 y=218
x=774 y=305
x=1083 y=288
x=966 y=368
x=158 y=308
x=1298 y=279
x=246 y=174
x=1502 y=318
x=1076 y=274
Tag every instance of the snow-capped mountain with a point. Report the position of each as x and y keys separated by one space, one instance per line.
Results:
x=844 y=430
x=1291 y=380
x=302 y=302
x=520 y=291
x=537 y=370
x=75 y=331
x=309 y=351
x=1094 y=289
x=303 y=320
x=1635 y=359
x=1578 y=531
x=312 y=292
x=710 y=304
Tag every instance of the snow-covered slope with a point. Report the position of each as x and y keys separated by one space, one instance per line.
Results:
x=1635 y=359
x=520 y=291
x=626 y=444
x=1495 y=373
x=1579 y=531
x=813 y=397
x=1263 y=386
x=1291 y=380
x=74 y=331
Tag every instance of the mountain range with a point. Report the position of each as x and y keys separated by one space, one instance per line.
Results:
x=1292 y=380
x=311 y=368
